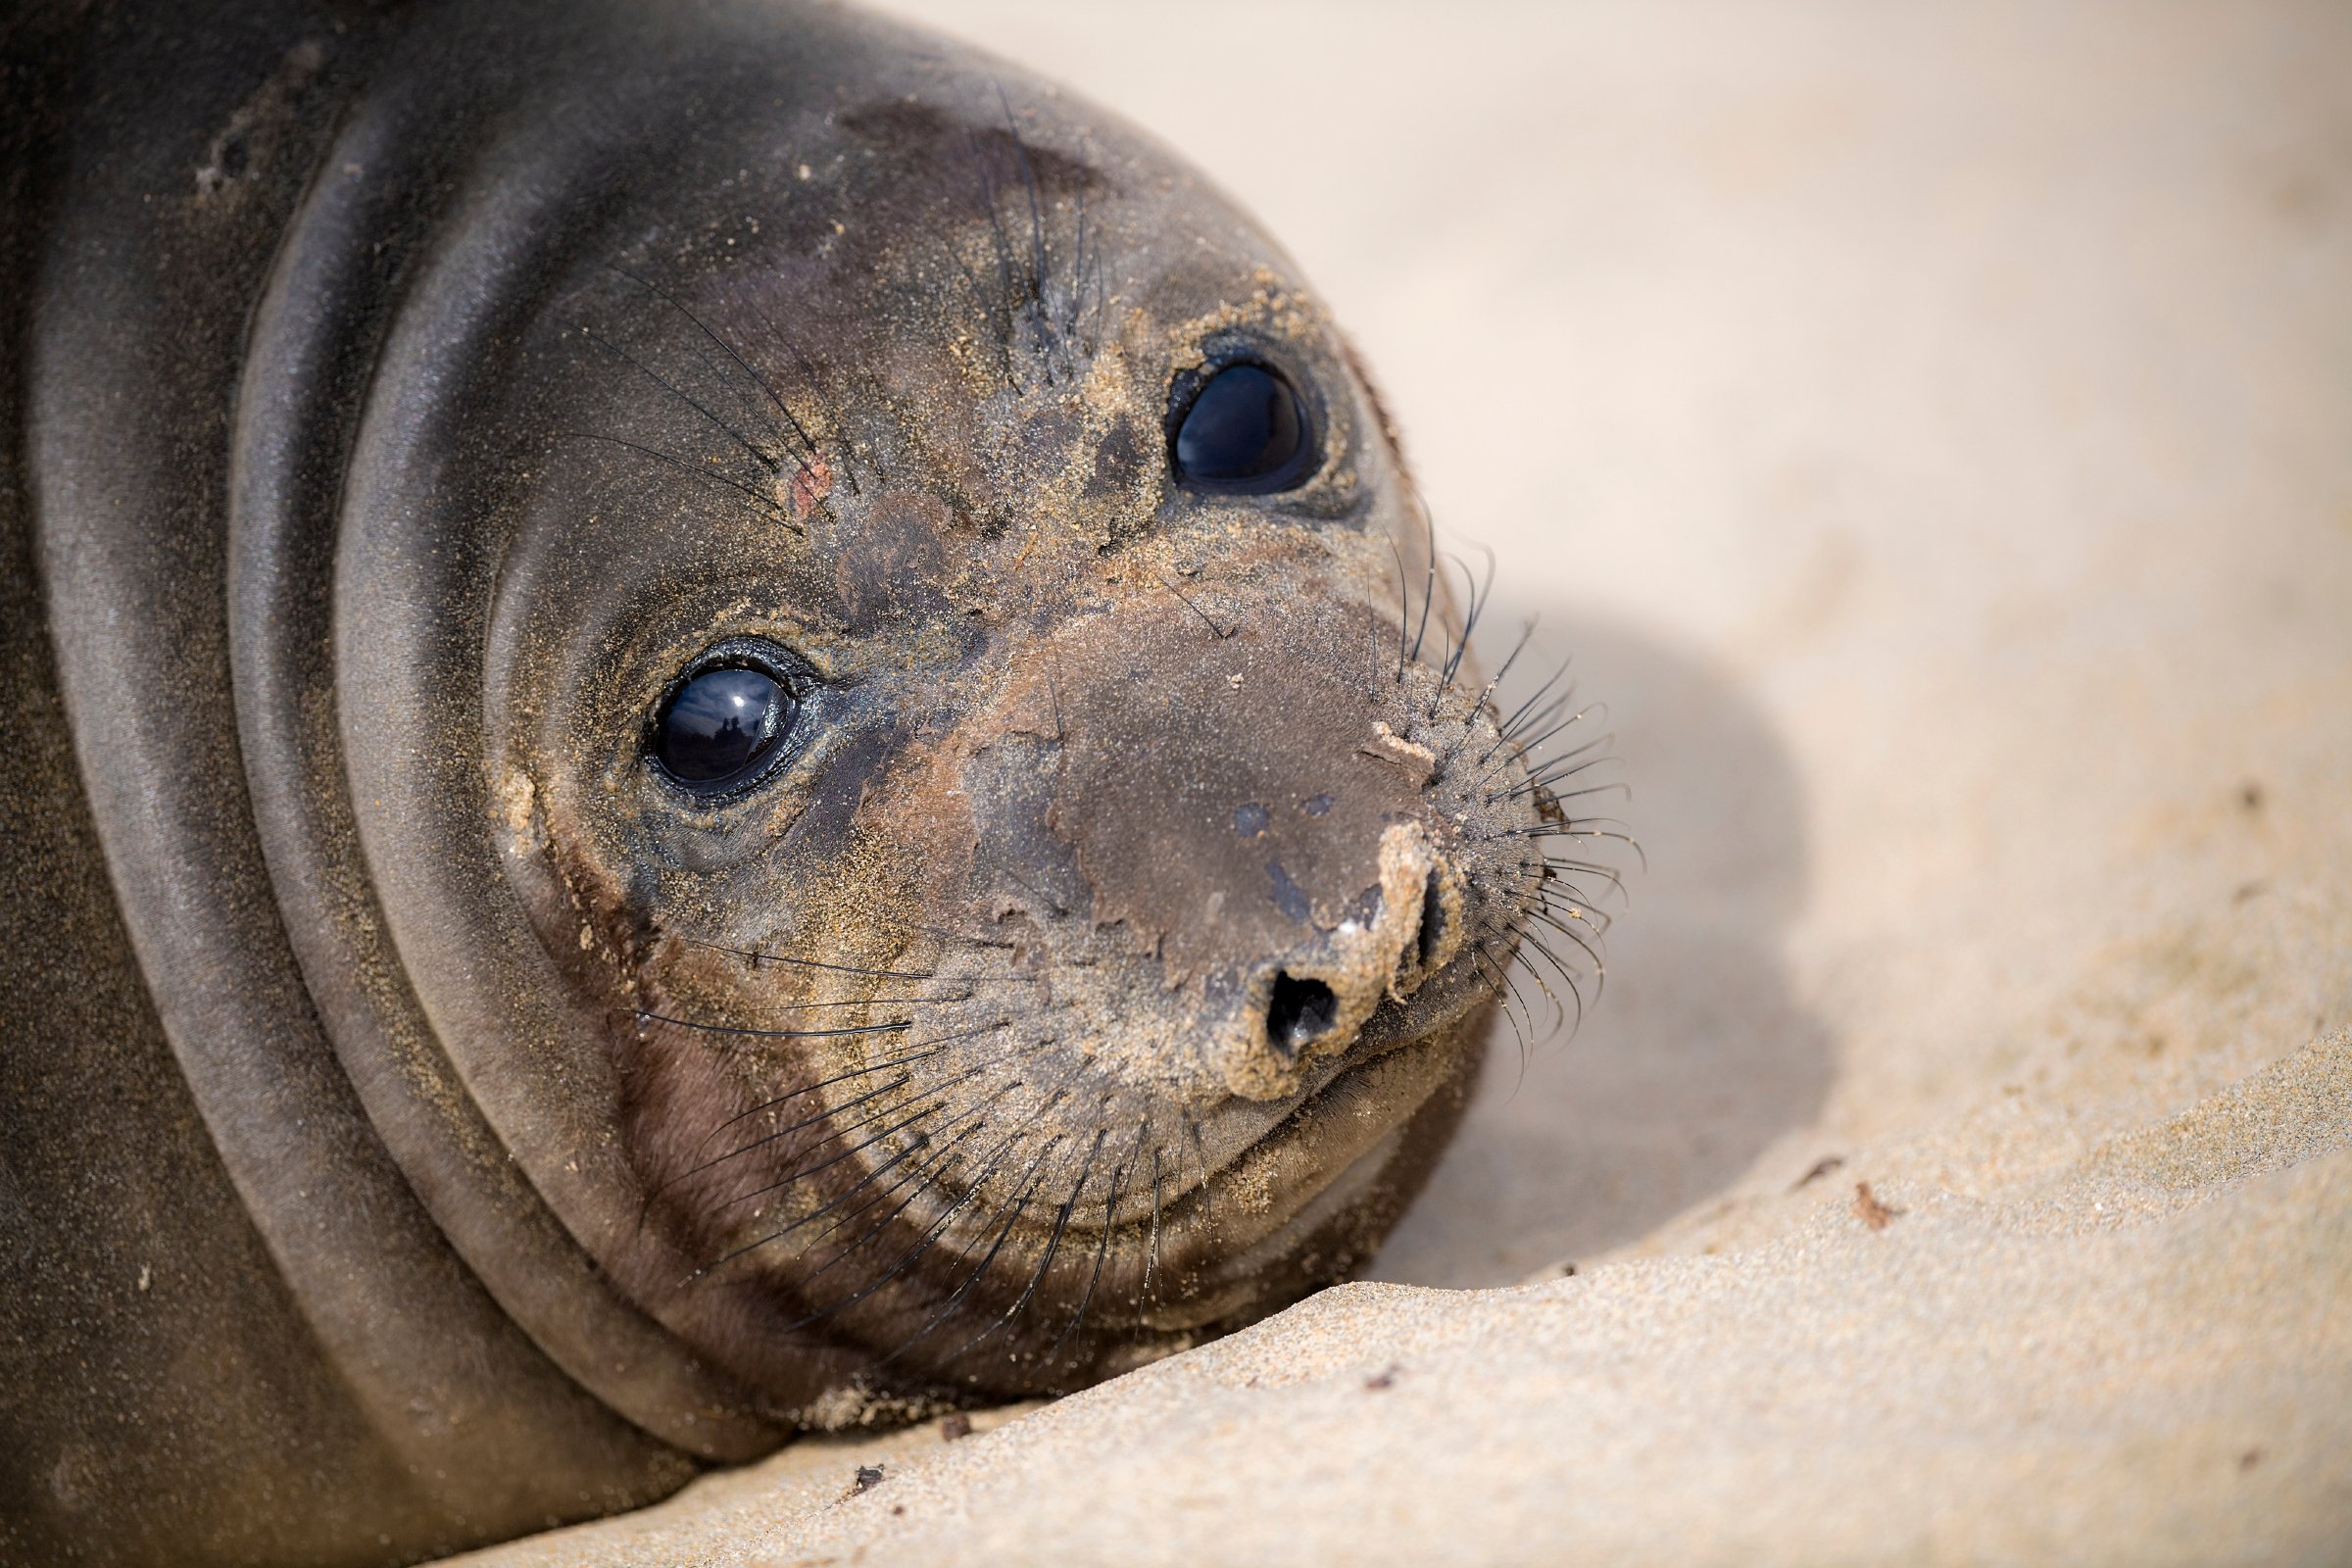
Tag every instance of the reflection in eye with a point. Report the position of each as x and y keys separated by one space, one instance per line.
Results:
x=1245 y=431
x=720 y=726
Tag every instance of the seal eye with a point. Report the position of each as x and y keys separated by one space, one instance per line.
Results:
x=720 y=726
x=1244 y=432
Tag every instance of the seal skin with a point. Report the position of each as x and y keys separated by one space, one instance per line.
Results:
x=429 y=1118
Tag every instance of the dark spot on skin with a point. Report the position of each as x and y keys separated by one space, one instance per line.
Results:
x=267 y=114
x=835 y=800
x=2249 y=1459
x=1869 y=1210
x=2250 y=796
x=1316 y=807
x=227 y=163
x=1117 y=463
x=1250 y=819
x=1048 y=436
x=955 y=1426
x=1567 y=1272
x=1289 y=897
x=1385 y=1379
x=925 y=136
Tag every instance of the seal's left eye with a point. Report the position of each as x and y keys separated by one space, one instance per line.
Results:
x=720 y=726
x=1245 y=431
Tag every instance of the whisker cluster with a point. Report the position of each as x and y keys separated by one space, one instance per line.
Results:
x=1047 y=298
x=734 y=428
x=932 y=1154
x=1537 y=919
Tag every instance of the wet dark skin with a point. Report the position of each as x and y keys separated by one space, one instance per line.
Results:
x=730 y=722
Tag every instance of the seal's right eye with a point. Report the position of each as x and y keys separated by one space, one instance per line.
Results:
x=720 y=726
x=1246 y=432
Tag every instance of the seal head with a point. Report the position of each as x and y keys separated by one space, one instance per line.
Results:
x=950 y=716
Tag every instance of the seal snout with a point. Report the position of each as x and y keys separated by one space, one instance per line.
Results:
x=1241 y=835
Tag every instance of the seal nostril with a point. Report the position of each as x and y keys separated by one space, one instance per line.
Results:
x=1298 y=1012
x=1433 y=921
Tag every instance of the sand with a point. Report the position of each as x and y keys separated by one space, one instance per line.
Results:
x=1929 y=428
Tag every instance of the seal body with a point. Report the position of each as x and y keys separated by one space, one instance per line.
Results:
x=721 y=720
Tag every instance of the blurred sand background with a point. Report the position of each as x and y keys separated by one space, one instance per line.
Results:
x=1929 y=428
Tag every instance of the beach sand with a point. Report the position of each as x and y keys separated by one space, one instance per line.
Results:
x=1930 y=429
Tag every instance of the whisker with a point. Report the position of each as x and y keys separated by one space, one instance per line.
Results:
x=758 y=957
x=1530 y=748
x=848 y=1151
x=764 y=460
x=1061 y=1222
x=700 y=326
x=817 y=379
x=1556 y=769
x=1220 y=633
x=1404 y=607
x=645 y=1016
x=907 y=1263
x=765 y=504
x=1480 y=597
x=934 y=1230
x=1150 y=1288
x=1111 y=1208
x=782 y=1132
x=930 y=1049
x=1011 y=1210
x=1429 y=586
x=919 y=1173
x=1503 y=731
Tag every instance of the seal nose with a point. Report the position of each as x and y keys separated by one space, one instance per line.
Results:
x=1310 y=1000
x=1299 y=1012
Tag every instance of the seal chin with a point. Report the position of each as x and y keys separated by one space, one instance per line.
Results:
x=1344 y=1148
x=1261 y=1161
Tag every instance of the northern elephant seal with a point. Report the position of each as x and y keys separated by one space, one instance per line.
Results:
x=721 y=720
